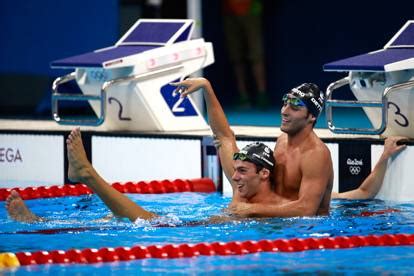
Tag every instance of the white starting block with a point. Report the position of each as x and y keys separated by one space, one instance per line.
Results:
x=383 y=84
x=127 y=84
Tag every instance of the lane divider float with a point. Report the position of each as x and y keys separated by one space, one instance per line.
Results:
x=170 y=251
x=202 y=185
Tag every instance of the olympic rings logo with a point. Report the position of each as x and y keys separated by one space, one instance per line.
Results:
x=98 y=75
x=354 y=170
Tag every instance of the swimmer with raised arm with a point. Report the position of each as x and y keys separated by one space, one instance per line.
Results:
x=249 y=171
x=304 y=171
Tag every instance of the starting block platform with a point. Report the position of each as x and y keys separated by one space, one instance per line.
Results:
x=382 y=83
x=127 y=85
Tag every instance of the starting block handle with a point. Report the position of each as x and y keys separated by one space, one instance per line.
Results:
x=106 y=85
x=398 y=86
x=329 y=104
x=56 y=97
x=383 y=104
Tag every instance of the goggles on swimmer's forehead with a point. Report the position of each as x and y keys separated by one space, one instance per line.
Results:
x=241 y=156
x=244 y=157
x=293 y=101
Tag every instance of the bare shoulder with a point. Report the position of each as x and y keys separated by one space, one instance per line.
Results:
x=323 y=148
x=316 y=152
x=281 y=141
x=316 y=164
x=316 y=145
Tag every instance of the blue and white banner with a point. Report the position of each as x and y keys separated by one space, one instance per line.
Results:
x=31 y=160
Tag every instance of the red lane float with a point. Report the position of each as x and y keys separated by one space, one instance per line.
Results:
x=378 y=212
x=202 y=185
x=108 y=254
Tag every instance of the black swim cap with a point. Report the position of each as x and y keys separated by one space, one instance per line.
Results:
x=311 y=96
x=257 y=153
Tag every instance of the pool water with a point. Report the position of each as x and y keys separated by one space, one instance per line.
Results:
x=74 y=222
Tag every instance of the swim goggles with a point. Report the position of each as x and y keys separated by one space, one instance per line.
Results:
x=241 y=156
x=255 y=159
x=292 y=101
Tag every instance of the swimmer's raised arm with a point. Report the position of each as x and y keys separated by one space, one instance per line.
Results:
x=372 y=184
x=217 y=118
x=224 y=136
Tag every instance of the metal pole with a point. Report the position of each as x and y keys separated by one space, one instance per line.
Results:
x=194 y=12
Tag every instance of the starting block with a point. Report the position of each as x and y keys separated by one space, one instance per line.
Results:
x=383 y=85
x=127 y=85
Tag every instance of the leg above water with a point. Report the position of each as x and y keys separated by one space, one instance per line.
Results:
x=18 y=210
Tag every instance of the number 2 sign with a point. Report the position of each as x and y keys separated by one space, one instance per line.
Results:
x=178 y=106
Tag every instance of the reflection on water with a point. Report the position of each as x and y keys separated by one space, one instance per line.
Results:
x=79 y=219
x=76 y=222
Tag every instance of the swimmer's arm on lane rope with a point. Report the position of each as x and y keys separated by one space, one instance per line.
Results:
x=372 y=184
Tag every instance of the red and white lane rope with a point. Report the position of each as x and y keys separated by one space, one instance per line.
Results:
x=202 y=185
x=109 y=254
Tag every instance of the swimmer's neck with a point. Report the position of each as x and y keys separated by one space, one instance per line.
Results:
x=268 y=197
x=297 y=138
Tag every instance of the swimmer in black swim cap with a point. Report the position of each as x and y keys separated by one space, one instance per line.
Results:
x=258 y=154
x=306 y=94
x=253 y=181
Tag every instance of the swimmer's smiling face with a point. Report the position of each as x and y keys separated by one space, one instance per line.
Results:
x=246 y=179
x=295 y=115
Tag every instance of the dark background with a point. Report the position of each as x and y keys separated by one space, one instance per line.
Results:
x=300 y=36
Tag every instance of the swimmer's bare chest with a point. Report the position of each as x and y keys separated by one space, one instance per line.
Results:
x=288 y=174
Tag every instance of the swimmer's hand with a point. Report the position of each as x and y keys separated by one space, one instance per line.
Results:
x=242 y=209
x=393 y=145
x=216 y=142
x=189 y=86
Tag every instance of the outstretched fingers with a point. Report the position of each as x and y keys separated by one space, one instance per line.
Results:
x=182 y=88
x=188 y=86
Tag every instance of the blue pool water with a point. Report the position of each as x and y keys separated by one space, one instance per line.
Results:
x=71 y=225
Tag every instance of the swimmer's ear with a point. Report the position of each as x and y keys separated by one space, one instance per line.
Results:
x=311 y=117
x=265 y=172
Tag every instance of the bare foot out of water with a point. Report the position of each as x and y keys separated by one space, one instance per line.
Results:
x=18 y=210
x=79 y=165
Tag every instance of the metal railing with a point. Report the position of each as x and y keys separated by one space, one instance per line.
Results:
x=383 y=105
x=56 y=96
